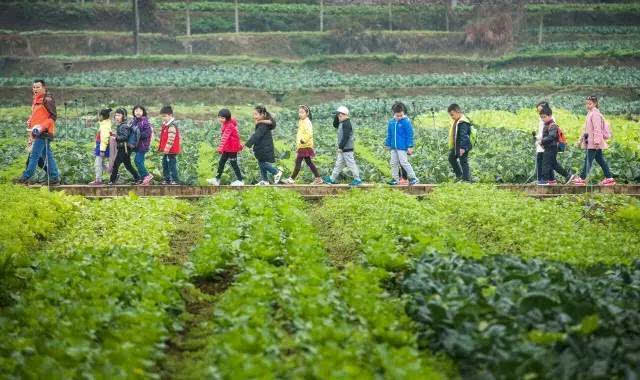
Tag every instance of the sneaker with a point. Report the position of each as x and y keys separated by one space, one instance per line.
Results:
x=173 y=183
x=96 y=183
x=403 y=182
x=318 y=181
x=20 y=180
x=328 y=180
x=276 y=178
x=147 y=180
x=237 y=183
x=111 y=183
x=289 y=181
x=263 y=183
x=356 y=182
x=542 y=183
x=214 y=181
x=571 y=179
x=607 y=182
x=579 y=182
x=413 y=181
x=552 y=183
x=166 y=182
x=393 y=182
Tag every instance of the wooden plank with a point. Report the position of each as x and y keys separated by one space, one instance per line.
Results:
x=320 y=191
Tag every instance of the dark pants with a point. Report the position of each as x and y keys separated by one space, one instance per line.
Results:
x=460 y=165
x=233 y=161
x=557 y=168
x=588 y=161
x=170 y=168
x=298 y=166
x=266 y=167
x=123 y=157
x=550 y=165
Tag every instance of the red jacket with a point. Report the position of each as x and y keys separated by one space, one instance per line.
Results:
x=229 y=137
x=170 y=137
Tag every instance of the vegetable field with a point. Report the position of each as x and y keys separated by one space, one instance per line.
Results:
x=375 y=284
x=459 y=281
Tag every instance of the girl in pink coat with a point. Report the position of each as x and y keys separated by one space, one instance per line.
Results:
x=594 y=140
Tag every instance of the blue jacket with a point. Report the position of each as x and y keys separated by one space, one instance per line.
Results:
x=399 y=134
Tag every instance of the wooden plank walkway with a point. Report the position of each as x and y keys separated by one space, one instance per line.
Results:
x=321 y=191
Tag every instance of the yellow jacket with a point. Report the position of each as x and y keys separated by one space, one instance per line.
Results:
x=304 y=137
x=104 y=132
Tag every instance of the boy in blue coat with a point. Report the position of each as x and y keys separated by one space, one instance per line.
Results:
x=400 y=142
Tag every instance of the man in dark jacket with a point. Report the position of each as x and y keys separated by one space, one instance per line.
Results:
x=346 y=141
x=459 y=143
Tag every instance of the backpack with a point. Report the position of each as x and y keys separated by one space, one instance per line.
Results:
x=562 y=140
x=606 y=131
x=134 y=135
x=473 y=135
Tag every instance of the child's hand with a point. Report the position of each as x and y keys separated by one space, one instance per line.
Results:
x=461 y=152
x=410 y=151
x=102 y=154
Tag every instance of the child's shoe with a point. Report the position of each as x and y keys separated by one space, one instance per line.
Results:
x=608 y=182
x=173 y=183
x=542 y=183
x=213 y=181
x=356 y=182
x=263 y=183
x=579 y=182
x=237 y=183
x=393 y=182
x=147 y=180
x=97 y=182
x=277 y=176
x=328 y=180
x=318 y=181
x=413 y=181
x=289 y=181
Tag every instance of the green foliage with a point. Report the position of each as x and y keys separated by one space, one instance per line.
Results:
x=31 y=218
x=280 y=78
x=99 y=302
x=503 y=317
x=300 y=322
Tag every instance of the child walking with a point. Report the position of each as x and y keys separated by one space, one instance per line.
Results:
x=594 y=140
x=125 y=143
x=169 y=146
x=400 y=142
x=143 y=130
x=346 y=142
x=228 y=148
x=459 y=143
x=262 y=143
x=102 y=145
x=549 y=142
x=304 y=146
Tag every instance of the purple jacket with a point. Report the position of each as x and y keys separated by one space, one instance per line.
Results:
x=146 y=132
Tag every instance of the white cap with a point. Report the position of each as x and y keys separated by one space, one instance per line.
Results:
x=343 y=109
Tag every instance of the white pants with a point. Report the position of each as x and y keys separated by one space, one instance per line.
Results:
x=345 y=159
x=399 y=159
x=100 y=166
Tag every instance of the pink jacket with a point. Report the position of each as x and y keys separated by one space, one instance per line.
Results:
x=594 y=126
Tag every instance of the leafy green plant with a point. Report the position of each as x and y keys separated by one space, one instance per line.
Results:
x=503 y=317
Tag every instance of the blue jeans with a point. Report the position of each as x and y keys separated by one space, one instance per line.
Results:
x=588 y=162
x=266 y=167
x=37 y=152
x=139 y=160
x=170 y=167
